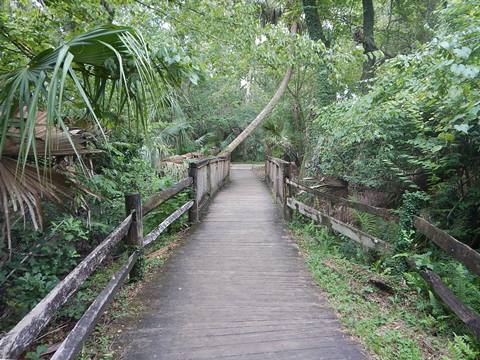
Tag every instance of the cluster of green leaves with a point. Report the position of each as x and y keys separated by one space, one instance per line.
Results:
x=41 y=261
x=417 y=127
x=44 y=258
x=393 y=325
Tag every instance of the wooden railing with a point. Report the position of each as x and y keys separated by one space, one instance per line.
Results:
x=207 y=177
x=285 y=187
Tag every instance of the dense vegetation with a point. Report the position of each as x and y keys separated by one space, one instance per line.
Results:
x=95 y=95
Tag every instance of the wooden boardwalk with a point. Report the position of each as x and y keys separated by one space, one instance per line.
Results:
x=237 y=289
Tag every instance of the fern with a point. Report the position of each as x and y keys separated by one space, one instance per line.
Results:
x=462 y=349
x=367 y=222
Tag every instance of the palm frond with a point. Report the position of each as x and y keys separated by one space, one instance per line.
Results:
x=23 y=193
x=109 y=69
x=115 y=59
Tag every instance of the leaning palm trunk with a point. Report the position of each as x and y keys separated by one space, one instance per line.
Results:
x=262 y=115
x=266 y=110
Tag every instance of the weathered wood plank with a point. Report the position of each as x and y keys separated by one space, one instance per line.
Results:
x=158 y=199
x=383 y=213
x=277 y=161
x=349 y=231
x=23 y=334
x=73 y=343
x=237 y=289
x=167 y=222
x=460 y=251
x=464 y=313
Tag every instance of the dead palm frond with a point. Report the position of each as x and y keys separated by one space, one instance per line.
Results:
x=110 y=70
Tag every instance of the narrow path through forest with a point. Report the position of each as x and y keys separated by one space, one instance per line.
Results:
x=238 y=288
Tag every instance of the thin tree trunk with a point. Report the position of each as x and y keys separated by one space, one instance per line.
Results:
x=266 y=110
x=314 y=24
x=368 y=39
x=262 y=115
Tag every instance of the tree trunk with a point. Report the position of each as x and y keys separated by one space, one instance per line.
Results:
x=325 y=93
x=266 y=110
x=314 y=24
x=262 y=115
x=368 y=39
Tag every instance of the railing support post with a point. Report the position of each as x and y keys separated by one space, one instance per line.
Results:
x=287 y=174
x=133 y=205
x=193 y=212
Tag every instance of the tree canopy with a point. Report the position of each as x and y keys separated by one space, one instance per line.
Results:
x=99 y=97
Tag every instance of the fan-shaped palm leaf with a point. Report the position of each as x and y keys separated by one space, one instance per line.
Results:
x=109 y=69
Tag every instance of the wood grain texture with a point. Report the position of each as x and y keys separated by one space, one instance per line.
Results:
x=460 y=251
x=383 y=213
x=24 y=333
x=464 y=313
x=166 y=223
x=159 y=198
x=237 y=289
x=349 y=231
x=73 y=343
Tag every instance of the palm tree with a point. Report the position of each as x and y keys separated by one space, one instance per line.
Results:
x=104 y=74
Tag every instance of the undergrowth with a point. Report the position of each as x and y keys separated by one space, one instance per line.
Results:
x=403 y=319
x=101 y=343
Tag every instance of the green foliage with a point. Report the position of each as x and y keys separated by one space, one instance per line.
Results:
x=45 y=258
x=37 y=354
x=417 y=128
x=391 y=326
x=461 y=348
x=380 y=321
x=404 y=243
x=39 y=265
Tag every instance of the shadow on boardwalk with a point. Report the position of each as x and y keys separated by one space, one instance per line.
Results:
x=237 y=289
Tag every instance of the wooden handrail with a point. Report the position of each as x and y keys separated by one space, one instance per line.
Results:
x=159 y=198
x=167 y=222
x=26 y=331
x=73 y=343
x=464 y=313
x=349 y=231
x=460 y=251
x=386 y=214
x=277 y=161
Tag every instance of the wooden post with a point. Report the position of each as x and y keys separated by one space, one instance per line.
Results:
x=133 y=205
x=193 y=212
x=287 y=174
x=209 y=191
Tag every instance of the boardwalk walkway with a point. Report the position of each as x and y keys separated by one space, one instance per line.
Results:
x=238 y=289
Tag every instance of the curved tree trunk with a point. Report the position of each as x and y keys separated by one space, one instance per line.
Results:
x=266 y=110
x=262 y=115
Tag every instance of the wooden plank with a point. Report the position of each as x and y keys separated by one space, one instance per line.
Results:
x=167 y=222
x=277 y=161
x=158 y=199
x=23 y=334
x=460 y=251
x=464 y=313
x=238 y=267
x=73 y=343
x=349 y=231
x=383 y=213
